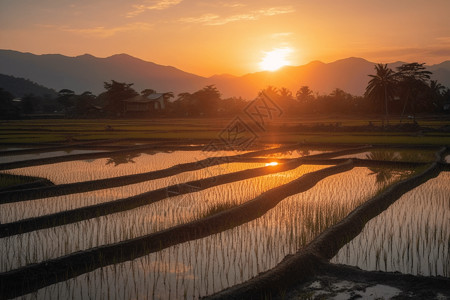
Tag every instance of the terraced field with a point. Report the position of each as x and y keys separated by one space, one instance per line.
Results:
x=131 y=220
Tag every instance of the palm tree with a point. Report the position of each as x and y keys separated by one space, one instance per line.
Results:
x=382 y=86
x=271 y=92
x=304 y=94
x=436 y=93
x=413 y=83
x=285 y=93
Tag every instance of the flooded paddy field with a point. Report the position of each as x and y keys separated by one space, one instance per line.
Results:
x=411 y=236
x=291 y=203
x=45 y=154
x=117 y=165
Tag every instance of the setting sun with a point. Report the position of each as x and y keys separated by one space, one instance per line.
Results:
x=275 y=59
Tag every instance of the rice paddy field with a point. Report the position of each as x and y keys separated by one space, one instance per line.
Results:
x=192 y=223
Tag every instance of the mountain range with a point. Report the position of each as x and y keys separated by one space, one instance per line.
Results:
x=88 y=73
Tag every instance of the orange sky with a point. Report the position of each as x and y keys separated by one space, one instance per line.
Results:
x=209 y=37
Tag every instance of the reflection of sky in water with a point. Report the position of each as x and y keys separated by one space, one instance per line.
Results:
x=295 y=153
x=11 y=212
x=213 y=263
x=411 y=236
x=395 y=155
x=76 y=171
x=150 y=218
x=12 y=158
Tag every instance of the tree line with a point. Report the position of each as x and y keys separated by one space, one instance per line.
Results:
x=403 y=92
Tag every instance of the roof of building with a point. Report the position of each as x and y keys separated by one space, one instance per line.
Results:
x=144 y=99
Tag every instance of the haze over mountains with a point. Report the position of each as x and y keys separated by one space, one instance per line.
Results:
x=87 y=73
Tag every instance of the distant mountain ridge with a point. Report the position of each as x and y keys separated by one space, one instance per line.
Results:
x=87 y=73
x=20 y=87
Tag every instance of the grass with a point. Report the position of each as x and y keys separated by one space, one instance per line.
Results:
x=41 y=131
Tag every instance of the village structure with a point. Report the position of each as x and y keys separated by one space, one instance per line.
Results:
x=155 y=102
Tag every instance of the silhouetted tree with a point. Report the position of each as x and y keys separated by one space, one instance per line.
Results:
x=116 y=93
x=446 y=100
x=182 y=105
x=436 y=94
x=232 y=106
x=286 y=101
x=84 y=103
x=381 y=87
x=413 y=82
x=271 y=92
x=66 y=98
x=147 y=92
x=284 y=93
x=304 y=94
x=30 y=103
x=8 y=109
x=206 y=100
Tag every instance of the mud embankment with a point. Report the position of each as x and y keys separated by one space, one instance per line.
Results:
x=30 y=278
x=306 y=262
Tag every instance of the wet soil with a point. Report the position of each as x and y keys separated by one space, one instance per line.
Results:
x=334 y=281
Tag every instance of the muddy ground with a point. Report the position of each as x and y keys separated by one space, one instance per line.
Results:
x=336 y=281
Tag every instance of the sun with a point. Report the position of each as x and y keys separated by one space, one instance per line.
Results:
x=275 y=59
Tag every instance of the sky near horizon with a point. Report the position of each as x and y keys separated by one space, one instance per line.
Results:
x=208 y=37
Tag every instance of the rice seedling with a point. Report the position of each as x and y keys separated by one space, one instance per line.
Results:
x=395 y=154
x=144 y=220
x=419 y=239
x=412 y=236
x=114 y=166
x=11 y=212
x=206 y=265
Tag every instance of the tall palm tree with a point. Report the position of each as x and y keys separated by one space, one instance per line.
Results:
x=436 y=91
x=382 y=86
x=271 y=92
x=413 y=79
x=304 y=94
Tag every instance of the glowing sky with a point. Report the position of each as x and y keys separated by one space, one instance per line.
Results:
x=209 y=37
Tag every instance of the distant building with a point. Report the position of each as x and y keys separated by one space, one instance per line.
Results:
x=141 y=104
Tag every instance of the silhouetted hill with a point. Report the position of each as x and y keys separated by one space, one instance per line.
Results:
x=87 y=73
x=350 y=75
x=20 y=87
x=441 y=73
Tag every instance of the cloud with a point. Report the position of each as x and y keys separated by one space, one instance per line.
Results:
x=205 y=19
x=233 y=4
x=273 y=11
x=105 y=32
x=151 y=5
x=214 y=20
x=443 y=40
x=281 y=35
x=433 y=53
